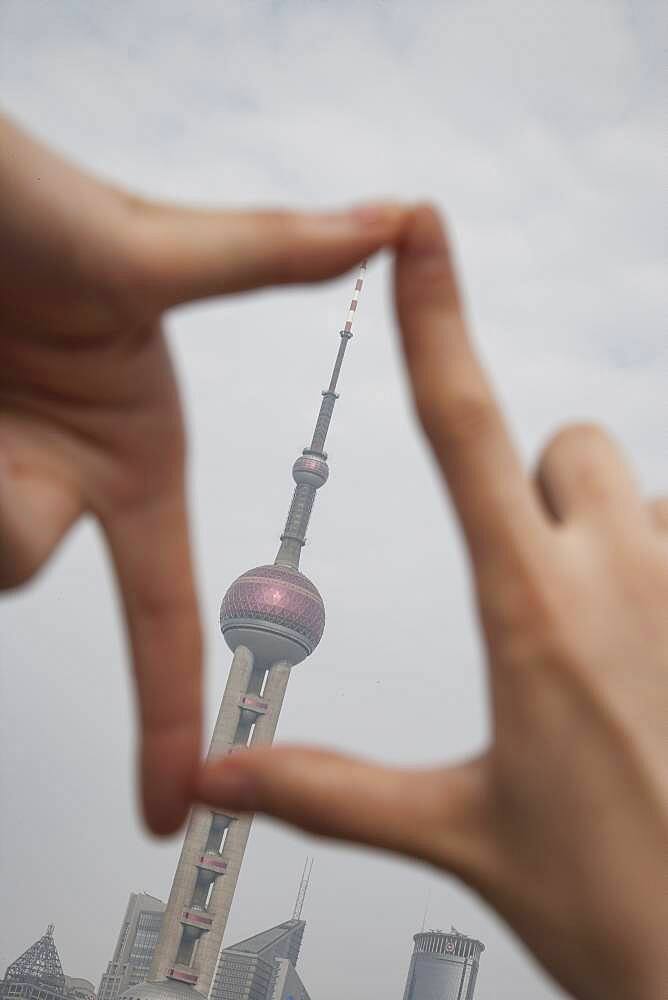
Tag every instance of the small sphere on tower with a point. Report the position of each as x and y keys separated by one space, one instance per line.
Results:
x=310 y=469
x=276 y=612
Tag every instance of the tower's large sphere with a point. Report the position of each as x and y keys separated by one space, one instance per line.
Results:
x=274 y=611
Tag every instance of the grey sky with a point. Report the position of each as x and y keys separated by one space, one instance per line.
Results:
x=535 y=126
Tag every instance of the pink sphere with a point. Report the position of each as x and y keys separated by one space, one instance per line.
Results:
x=275 y=611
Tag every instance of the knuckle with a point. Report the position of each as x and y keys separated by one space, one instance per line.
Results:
x=453 y=418
x=171 y=605
x=573 y=442
x=432 y=285
x=282 y=234
x=519 y=607
x=584 y=463
x=522 y=616
x=129 y=280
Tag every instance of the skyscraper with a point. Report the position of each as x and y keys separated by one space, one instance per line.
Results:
x=444 y=966
x=248 y=969
x=272 y=617
x=135 y=947
x=262 y=967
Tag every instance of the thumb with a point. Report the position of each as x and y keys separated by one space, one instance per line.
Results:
x=425 y=813
x=184 y=254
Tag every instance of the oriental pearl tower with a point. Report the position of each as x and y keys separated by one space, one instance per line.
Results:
x=272 y=618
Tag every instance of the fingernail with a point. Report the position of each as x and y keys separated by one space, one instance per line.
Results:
x=227 y=785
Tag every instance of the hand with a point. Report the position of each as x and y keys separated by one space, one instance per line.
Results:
x=89 y=411
x=562 y=825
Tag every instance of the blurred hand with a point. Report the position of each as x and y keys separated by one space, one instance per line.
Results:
x=89 y=410
x=562 y=825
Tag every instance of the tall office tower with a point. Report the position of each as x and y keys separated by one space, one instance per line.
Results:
x=37 y=974
x=444 y=966
x=248 y=969
x=135 y=947
x=262 y=967
x=272 y=618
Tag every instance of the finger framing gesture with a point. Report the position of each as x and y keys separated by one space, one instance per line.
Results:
x=570 y=569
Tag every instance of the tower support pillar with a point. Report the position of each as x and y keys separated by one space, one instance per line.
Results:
x=223 y=894
x=172 y=958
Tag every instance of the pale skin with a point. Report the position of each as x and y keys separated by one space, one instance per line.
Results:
x=562 y=824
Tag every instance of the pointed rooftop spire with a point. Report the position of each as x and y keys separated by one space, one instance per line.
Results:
x=39 y=961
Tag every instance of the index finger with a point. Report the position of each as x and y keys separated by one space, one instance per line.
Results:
x=150 y=547
x=491 y=490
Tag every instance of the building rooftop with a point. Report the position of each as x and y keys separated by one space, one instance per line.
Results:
x=40 y=961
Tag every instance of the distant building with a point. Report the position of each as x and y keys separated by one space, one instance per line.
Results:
x=444 y=966
x=249 y=970
x=135 y=946
x=37 y=974
x=79 y=989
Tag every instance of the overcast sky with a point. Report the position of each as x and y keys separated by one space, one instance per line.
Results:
x=535 y=127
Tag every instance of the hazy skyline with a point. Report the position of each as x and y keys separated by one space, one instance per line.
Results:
x=535 y=127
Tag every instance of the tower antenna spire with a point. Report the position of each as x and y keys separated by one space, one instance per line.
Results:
x=426 y=909
x=311 y=471
x=303 y=888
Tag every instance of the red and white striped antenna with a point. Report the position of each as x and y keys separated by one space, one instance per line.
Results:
x=356 y=294
x=311 y=471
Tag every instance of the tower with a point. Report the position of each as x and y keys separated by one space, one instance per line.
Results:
x=38 y=969
x=272 y=617
x=38 y=975
x=444 y=966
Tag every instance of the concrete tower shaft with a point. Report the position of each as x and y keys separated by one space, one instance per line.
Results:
x=214 y=845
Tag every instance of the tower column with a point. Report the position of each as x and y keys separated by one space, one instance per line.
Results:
x=223 y=894
x=238 y=685
x=274 y=693
x=215 y=843
x=202 y=861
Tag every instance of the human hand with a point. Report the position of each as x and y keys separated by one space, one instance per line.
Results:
x=562 y=825
x=89 y=411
